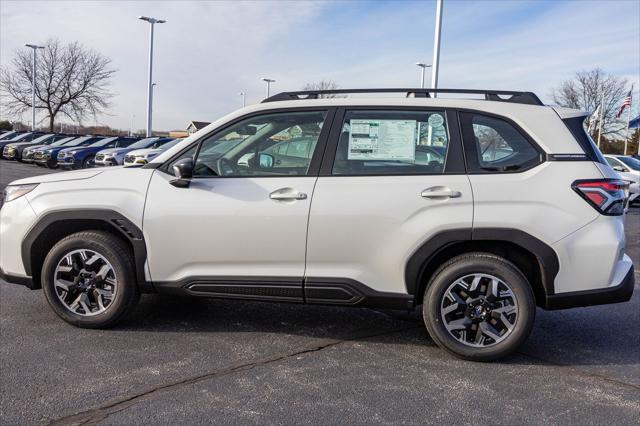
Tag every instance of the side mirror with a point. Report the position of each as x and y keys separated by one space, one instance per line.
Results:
x=183 y=171
x=266 y=161
x=619 y=169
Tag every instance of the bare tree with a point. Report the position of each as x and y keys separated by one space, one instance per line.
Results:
x=585 y=91
x=324 y=85
x=71 y=80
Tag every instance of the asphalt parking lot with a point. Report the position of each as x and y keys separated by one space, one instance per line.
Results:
x=196 y=361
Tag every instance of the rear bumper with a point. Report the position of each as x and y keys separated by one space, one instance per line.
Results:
x=621 y=292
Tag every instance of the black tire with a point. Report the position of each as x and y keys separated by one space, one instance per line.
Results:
x=118 y=255
x=478 y=263
x=88 y=162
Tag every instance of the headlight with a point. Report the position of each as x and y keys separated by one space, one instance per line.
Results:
x=12 y=192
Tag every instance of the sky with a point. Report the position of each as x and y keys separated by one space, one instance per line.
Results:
x=208 y=51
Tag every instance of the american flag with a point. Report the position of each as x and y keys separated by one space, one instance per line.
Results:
x=625 y=103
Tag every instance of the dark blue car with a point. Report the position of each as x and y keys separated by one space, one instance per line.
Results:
x=48 y=156
x=82 y=157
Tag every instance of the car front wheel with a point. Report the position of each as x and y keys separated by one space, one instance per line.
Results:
x=88 y=279
x=479 y=307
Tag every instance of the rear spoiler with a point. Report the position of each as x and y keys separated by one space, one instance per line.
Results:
x=565 y=113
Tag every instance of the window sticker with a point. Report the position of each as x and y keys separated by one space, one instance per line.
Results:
x=436 y=120
x=382 y=140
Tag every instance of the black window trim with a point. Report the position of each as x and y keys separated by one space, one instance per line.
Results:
x=316 y=158
x=469 y=147
x=454 y=160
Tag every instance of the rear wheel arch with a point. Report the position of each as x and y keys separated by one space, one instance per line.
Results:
x=55 y=226
x=537 y=261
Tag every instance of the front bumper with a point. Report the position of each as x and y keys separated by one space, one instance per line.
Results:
x=9 y=154
x=66 y=162
x=621 y=292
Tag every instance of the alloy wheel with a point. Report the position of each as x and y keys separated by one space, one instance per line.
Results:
x=479 y=310
x=85 y=282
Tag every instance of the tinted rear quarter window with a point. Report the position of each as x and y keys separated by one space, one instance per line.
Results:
x=495 y=145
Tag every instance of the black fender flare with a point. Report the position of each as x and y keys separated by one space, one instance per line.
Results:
x=127 y=229
x=429 y=249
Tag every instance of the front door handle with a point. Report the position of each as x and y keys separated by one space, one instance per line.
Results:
x=285 y=194
x=440 y=192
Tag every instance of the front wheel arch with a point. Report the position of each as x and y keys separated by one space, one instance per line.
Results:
x=55 y=226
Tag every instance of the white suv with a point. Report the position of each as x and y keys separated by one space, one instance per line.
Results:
x=477 y=209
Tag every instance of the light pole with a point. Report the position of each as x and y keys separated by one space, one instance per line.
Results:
x=422 y=68
x=151 y=21
x=133 y=117
x=33 y=85
x=268 y=81
x=244 y=95
x=436 y=47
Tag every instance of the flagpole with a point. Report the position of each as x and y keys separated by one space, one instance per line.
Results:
x=626 y=136
x=600 y=123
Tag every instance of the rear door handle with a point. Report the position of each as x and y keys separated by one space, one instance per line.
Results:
x=440 y=192
x=284 y=194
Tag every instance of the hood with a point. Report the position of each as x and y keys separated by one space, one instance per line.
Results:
x=78 y=149
x=35 y=147
x=59 y=177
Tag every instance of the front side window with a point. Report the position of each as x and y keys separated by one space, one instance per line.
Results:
x=495 y=145
x=280 y=144
x=392 y=143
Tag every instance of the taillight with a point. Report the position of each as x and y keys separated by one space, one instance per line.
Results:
x=608 y=196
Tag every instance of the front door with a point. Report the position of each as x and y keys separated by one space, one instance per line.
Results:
x=239 y=229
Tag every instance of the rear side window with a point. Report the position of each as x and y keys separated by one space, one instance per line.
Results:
x=495 y=145
x=392 y=143
x=576 y=126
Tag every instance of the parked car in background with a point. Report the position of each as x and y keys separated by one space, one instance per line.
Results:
x=629 y=169
x=14 y=150
x=82 y=157
x=48 y=156
x=27 y=153
x=115 y=156
x=140 y=157
x=20 y=137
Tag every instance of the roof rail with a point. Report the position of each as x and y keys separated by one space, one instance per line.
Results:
x=529 y=98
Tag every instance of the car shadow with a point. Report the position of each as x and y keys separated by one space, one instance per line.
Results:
x=581 y=336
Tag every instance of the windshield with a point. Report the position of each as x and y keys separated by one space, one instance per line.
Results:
x=7 y=135
x=42 y=138
x=159 y=143
x=63 y=141
x=80 y=141
x=143 y=143
x=631 y=162
x=103 y=142
x=167 y=144
x=20 y=137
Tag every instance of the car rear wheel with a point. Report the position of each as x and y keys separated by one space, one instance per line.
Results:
x=88 y=279
x=479 y=307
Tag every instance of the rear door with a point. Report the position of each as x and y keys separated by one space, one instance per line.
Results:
x=391 y=179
